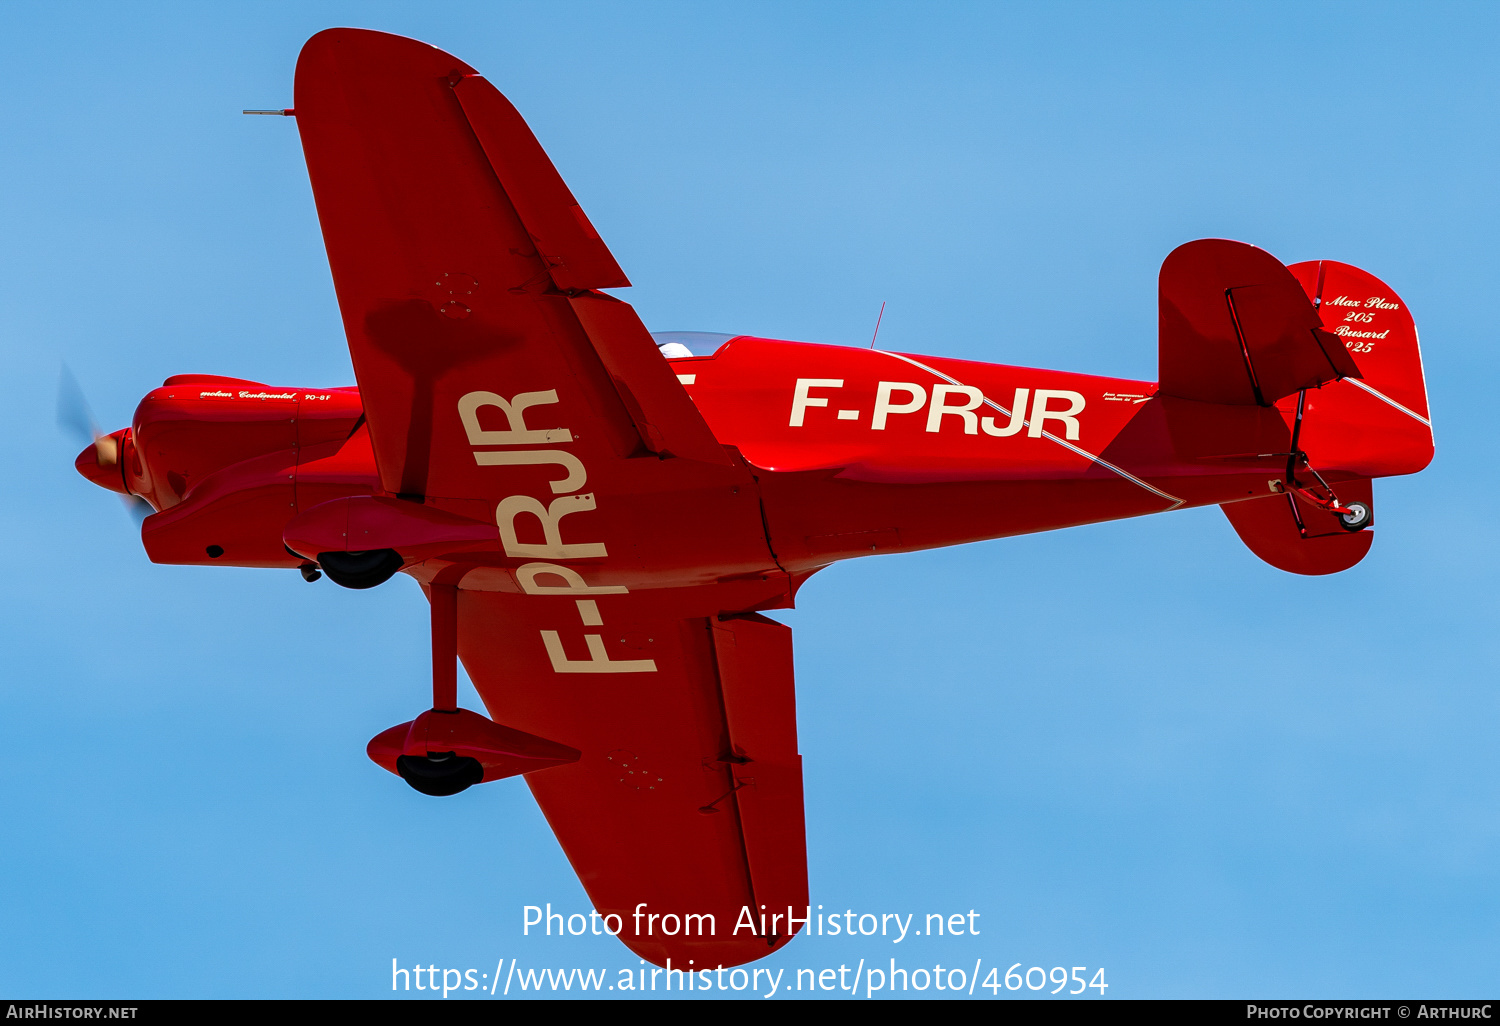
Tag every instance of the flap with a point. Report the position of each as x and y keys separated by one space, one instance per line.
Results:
x=575 y=255
x=658 y=404
x=754 y=658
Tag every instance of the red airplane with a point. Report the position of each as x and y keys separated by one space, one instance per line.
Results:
x=600 y=518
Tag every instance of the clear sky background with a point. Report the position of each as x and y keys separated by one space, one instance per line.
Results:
x=1131 y=745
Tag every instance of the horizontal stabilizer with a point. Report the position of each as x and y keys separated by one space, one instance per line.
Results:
x=1320 y=545
x=1236 y=327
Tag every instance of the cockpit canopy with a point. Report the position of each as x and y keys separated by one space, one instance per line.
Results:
x=691 y=343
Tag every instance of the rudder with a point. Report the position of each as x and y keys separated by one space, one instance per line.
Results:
x=1376 y=425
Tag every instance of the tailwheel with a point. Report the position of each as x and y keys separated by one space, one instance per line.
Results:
x=1359 y=517
x=440 y=773
x=360 y=569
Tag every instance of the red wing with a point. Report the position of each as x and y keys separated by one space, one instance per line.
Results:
x=463 y=264
x=500 y=386
x=688 y=798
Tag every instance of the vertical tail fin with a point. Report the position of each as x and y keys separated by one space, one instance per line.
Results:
x=1376 y=425
x=1352 y=429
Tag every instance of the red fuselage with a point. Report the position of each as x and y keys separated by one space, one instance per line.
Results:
x=854 y=452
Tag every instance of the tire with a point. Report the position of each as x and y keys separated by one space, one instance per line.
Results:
x=439 y=773
x=360 y=569
x=1361 y=516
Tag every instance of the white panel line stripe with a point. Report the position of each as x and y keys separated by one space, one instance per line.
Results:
x=1387 y=399
x=1174 y=500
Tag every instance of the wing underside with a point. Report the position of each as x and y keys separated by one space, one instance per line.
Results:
x=460 y=256
x=687 y=801
x=501 y=386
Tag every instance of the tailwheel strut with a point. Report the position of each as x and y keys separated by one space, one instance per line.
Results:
x=1355 y=515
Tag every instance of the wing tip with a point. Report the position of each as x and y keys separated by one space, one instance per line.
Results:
x=372 y=43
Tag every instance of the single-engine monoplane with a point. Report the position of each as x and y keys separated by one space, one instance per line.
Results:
x=601 y=518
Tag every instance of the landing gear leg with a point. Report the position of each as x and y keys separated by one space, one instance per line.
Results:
x=444 y=646
x=442 y=773
x=1354 y=516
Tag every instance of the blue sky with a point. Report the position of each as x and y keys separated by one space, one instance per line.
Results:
x=1131 y=745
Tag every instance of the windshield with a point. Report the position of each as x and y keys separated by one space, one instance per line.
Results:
x=690 y=343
